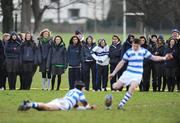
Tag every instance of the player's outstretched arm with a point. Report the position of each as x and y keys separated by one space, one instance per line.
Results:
x=118 y=67
x=168 y=56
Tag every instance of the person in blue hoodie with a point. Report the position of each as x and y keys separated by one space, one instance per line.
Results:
x=88 y=63
x=56 y=60
x=12 y=53
x=28 y=60
x=44 y=45
x=114 y=54
x=74 y=61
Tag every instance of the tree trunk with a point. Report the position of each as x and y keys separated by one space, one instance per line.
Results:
x=38 y=13
x=7 y=12
x=26 y=16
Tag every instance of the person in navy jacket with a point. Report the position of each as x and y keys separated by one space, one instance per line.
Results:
x=88 y=63
x=74 y=61
x=28 y=60
x=115 y=56
x=12 y=52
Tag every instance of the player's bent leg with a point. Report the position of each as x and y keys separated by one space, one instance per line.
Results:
x=133 y=87
x=117 y=85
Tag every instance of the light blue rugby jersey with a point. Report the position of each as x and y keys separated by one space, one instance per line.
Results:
x=135 y=60
x=74 y=96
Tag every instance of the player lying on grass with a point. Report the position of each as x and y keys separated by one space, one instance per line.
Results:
x=69 y=101
x=133 y=74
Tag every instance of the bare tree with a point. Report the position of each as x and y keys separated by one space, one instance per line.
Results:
x=26 y=16
x=7 y=12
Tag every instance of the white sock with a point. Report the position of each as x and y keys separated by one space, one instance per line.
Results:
x=43 y=83
x=49 y=84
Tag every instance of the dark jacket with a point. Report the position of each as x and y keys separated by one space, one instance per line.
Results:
x=57 y=56
x=12 y=50
x=74 y=55
x=86 y=53
x=115 y=53
x=43 y=48
x=2 y=54
x=173 y=63
x=28 y=51
x=127 y=44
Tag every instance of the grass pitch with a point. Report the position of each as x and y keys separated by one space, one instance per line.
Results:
x=144 y=107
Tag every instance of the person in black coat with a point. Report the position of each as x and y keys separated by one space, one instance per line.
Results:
x=158 y=66
x=44 y=45
x=115 y=56
x=74 y=61
x=145 y=83
x=127 y=44
x=56 y=60
x=12 y=52
x=171 y=65
x=176 y=37
x=3 y=72
x=88 y=63
x=28 y=58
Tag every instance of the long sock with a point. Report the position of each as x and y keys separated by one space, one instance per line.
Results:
x=49 y=84
x=127 y=96
x=43 y=83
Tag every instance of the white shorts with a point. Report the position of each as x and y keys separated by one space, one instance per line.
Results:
x=127 y=78
x=61 y=103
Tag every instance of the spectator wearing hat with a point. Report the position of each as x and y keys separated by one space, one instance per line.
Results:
x=114 y=55
x=12 y=52
x=89 y=64
x=3 y=72
x=101 y=54
x=44 y=45
x=74 y=61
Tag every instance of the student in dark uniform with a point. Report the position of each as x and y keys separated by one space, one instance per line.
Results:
x=28 y=57
x=3 y=71
x=89 y=63
x=57 y=60
x=158 y=66
x=145 y=83
x=74 y=60
x=12 y=52
x=45 y=41
x=114 y=55
x=171 y=65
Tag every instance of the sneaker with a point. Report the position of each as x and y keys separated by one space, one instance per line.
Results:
x=24 y=106
x=120 y=107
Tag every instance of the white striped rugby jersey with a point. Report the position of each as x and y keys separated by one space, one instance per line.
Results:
x=74 y=96
x=135 y=59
